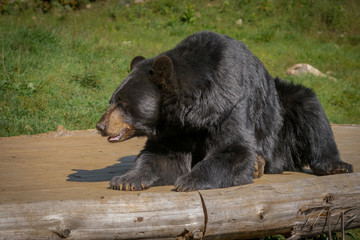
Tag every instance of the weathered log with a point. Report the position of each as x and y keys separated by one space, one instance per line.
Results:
x=131 y=216
x=298 y=208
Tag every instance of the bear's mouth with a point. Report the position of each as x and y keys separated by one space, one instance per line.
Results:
x=122 y=136
x=116 y=138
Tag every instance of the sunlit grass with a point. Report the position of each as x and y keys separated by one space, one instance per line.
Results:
x=62 y=67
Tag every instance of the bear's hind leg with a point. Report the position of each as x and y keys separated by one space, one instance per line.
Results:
x=333 y=168
x=307 y=131
x=330 y=163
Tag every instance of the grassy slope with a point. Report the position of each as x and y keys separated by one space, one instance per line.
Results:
x=62 y=67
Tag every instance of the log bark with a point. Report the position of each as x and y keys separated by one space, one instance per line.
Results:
x=296 y=209
x=130 y=216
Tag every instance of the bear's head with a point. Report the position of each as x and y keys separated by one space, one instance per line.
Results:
x=135 y=105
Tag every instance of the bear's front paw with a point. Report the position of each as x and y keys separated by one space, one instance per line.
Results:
x=192 y=182
x=131 y=182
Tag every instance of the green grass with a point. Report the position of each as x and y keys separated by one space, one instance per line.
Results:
x=60 y=68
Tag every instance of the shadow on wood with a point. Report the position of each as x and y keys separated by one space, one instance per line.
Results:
x=104 y=174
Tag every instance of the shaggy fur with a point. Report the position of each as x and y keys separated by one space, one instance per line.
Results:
x=208 y=108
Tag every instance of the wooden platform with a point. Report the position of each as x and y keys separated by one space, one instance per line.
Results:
x=49 y=167
x=78 y=166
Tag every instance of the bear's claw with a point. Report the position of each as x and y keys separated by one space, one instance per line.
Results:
x=129 y=183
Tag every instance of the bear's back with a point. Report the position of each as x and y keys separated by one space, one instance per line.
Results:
x=207 y=59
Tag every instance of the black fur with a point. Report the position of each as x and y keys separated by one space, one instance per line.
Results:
x=208 y=106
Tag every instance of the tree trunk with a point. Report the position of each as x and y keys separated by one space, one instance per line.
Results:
x=130 y=216
x=295 y=209
x=299 y=208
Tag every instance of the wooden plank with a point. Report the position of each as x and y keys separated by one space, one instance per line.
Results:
x=298 y=208
x=80 y=166
x=140 y=216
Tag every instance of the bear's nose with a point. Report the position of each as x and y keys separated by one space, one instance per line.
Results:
x=101 y=127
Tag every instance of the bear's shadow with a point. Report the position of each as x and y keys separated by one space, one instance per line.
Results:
x=104 y=174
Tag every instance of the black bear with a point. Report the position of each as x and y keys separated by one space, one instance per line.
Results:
x=209 y=107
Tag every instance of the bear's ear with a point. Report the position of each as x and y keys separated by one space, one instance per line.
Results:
x=162 y=71
x=135 y=61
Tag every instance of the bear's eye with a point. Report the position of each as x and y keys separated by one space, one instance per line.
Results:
x=151 y=72
x=122 y=105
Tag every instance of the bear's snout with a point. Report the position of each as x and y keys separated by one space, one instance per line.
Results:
x=113 y=125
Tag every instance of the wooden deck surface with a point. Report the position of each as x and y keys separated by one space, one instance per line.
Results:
x=80 y=165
